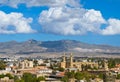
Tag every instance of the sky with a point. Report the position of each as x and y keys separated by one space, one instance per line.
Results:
x=89 y=21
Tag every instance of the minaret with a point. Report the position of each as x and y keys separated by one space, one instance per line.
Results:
x=106 y=66
x=64 y=58
x=71 y=60
x=63 y=63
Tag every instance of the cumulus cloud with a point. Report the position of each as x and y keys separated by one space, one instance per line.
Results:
x=30 y=3
x=77 y=20
x=49 y=3
x=71 y=21
x=14 y=23
x=112 y=28
x=66 y=17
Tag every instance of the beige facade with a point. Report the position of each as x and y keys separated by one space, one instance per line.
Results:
x=26 y=64
x=106 y=66
x=63 y=63
x=70 y=64
x=6 y=79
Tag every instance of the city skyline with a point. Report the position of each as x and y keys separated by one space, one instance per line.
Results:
x=95 y=22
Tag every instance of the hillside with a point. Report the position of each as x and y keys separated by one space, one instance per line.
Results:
x=33 y=46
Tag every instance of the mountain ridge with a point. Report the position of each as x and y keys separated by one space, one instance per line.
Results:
x=33 y=46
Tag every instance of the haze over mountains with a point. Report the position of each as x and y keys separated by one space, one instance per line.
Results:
x=35 y=47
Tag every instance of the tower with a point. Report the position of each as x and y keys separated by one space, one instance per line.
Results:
x=64 y=58
x=106 y=66
x=63 y=63
x=71 y=60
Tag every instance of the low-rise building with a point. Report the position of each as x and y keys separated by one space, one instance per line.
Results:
x=6 y=79
x=26 y=64
x=45 y=71
x=71 y=64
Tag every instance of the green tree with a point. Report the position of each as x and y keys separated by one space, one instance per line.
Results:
x=100 y=75
x=65 y=79
x=111 y=63
x=16 y=79
x=28 y=77
x=70 y=74
x=79 y=76
x=2 y=76
x=86 y=75
x=9 y=75
x=21 y=80
x=2 y=65
x=61 y=69
x=104 y=77
x=41 y=78
x=118 y=76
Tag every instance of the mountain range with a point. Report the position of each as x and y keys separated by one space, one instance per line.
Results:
x=34 y=46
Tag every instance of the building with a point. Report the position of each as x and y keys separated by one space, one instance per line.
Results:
x=26 y=64
x=69 y=63
x=4 y=72
x=6 y=79
x=106 y=66
x=43 y=71
x=41 y=61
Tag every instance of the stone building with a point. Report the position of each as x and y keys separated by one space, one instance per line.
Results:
x=106 y=66
x=26 y=64
x=6 y=79
x=69 y=63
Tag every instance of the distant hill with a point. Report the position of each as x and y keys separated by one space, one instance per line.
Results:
x=33 y=46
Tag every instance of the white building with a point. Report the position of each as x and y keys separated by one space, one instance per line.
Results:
x=45 y=71
x=40 y=62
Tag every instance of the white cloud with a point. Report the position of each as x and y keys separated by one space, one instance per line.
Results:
x=76 y=20
x=70 y=21
x=14 y=23
x=66 y=17
x=112 y=28
x=30 y=3
x=49 y=3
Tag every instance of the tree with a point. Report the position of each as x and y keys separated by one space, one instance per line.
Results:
x=28 y=77
x=21 y=80
x=16 y=79
x=86 y=75
x=79 y=76
x=104 y=77
x=118 y=76
x=61 y=69
x=41 y=78
x=111 y=63
x=100 y=75
x=2 y=65
x=65 y=79
x=2 y=76
x=70 y=74
x=9 y=75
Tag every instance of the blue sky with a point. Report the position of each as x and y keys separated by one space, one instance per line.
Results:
x=94 y=22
